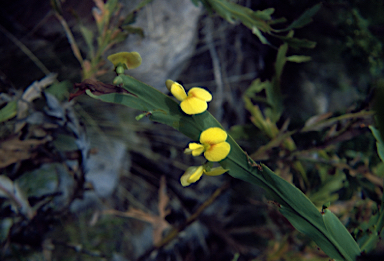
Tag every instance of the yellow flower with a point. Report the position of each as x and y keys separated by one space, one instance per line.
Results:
x=193 y=174
x=212 y=143
x=129 y=60
x=193 y=103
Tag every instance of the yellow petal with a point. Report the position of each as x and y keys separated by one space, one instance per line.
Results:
x=178 y=91
x=191 y=175
x=217 y=152
x=200 y=93
x=192 y=105
x=213 y=136
x=195 y=148
x=129 y=60
x=216 y=171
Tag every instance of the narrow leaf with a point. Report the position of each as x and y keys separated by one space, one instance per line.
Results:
x=298 y=58
x=304 y=19
x=343 y=238
x=8 y=111
x=88 y=37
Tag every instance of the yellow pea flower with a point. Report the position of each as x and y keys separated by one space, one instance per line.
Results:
x=193 y=174
x=193 y=103
x=212 y=143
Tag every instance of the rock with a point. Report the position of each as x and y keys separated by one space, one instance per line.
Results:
x=170 y=29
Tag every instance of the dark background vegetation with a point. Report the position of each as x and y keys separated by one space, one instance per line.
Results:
x=114 y=181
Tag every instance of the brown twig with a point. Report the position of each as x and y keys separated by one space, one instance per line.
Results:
x=176 y=230
x=71 y=39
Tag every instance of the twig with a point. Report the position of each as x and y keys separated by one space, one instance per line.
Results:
x=25 y=50
x=176 y=230
x=71 y=39
x=216 y=69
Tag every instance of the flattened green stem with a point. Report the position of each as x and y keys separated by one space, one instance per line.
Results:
x=295 y=206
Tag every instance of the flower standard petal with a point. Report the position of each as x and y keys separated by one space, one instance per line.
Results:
x=129 y=60
x=217 y=152
x=213 y=136
x=193 y=105
x=200 y=93
x=191 y=175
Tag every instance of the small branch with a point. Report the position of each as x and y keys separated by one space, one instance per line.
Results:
x=71 y=39
x=25 y=50
x=176 y=230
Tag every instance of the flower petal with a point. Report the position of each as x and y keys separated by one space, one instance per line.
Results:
x=216 y=171
x=217 y=152
x=178 y=91
x=191 y=175
x=195 y=148
x=130 y=60
x=193 y=105
x=200 y=93
x=213 y=136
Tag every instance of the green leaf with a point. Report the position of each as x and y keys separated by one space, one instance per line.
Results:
x=261 y=37
x=345 y=241
x=40 y=182
x=133 y=30
x=111 y=5
x=256 y=87
x=281 y=59
x=379 y=142
x=254 y=20
x=195 y=2
x=143 y=3
x=264 y=15
x=303 y=20
x=89 y=38
x=60 y=90
x=298 y=58
x=8 y=111
x=5 y=226
x=378 y=106
x=328 y=188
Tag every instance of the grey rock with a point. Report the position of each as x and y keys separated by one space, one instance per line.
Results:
x=170 y=29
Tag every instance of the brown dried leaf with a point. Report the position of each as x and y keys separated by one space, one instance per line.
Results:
x=158 y=222
x=32 y=92
x=312 y=121
x=100 y=11
x=14 y=150
x=96 y=87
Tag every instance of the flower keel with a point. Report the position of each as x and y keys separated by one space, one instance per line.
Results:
x=193 y=174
